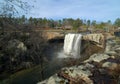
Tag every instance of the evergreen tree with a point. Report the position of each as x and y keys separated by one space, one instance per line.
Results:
x=117 y=22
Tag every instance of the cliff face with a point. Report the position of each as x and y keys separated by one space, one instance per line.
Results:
x=99 y=68
x=94 y=37
x=92 y=43
x=98 y=38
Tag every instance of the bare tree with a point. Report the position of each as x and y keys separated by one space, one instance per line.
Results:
x=10 y=8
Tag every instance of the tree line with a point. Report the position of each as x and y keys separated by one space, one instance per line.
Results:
x=42 y=23
x=10 y=9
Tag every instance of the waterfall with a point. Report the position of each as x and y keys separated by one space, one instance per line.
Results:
x=72 y=44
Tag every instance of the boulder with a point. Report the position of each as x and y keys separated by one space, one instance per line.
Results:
x=72 y=75
x=16 y=44
x=97 y=57
x=111 y=53
x=110 y=65
x=16 y=48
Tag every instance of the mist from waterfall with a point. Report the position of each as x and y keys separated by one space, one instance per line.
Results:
x=72 y=44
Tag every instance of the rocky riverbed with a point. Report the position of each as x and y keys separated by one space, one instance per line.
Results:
x=99 y=68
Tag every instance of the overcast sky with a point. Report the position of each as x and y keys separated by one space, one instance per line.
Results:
x=100 y=10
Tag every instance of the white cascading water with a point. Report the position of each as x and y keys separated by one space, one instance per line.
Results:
x=72 y=44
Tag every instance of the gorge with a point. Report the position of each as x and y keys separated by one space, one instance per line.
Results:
x=89 y=46
x=98 y=68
